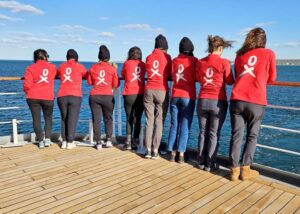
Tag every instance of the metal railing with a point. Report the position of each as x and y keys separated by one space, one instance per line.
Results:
x=118 y=122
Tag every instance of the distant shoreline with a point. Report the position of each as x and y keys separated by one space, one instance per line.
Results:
x=281 y=62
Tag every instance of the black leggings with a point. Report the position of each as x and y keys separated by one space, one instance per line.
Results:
x=102 y=104
x=36 y=106
x=134 y=107
x=69 y=107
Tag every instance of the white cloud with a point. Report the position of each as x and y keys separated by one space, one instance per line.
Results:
x=72 y=28
x=244 y=31
x=8 y=18
x=17 y=7
x=90 y=42
x=104 y=18
x=286 y=44
x=144 y=27
x=106 y=34
x=22 y=34
x=126 y=43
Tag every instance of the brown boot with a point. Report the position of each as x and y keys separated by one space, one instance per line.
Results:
x=234 y=173
x=247 y=173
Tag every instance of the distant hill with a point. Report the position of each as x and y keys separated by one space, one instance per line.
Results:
x=288 y=61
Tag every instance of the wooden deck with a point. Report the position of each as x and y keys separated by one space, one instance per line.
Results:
x=84 y=180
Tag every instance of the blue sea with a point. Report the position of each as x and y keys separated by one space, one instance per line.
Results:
x=283 y=96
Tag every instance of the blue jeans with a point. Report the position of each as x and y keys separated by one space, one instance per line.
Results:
x=182 y=112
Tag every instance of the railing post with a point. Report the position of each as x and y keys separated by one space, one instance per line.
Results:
x=91 y=131
x=15 y=131
x=119 y=113
x=141 y=148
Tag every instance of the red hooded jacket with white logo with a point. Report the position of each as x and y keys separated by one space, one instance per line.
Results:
x=184 y=76
x=133 y=72
x=71 y=74
x=253 y=71
x=213 y=73
x=103 y=77
x=158 y=68
x=39 y=80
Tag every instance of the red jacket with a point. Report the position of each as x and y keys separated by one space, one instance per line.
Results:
x=158 y=68
x=133 y=72
x=39 y=80
x=103 y=77
x=71 y=74
x=214 y=73
x=184 y=76
x=253 y=71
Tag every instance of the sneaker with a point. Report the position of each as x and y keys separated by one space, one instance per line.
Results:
x=127 y=146
x=181 y=159
x=108 y=144
x=41 y=145
x=63 y=145
x=155 y=156
x=201 y=166
x=98 y=146
x=172 y=157
x=148 y=155
x=71 y=145
x=207 y=169
x=47 y=142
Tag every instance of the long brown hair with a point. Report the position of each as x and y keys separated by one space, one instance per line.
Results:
x=214 y=42
x=256 y=38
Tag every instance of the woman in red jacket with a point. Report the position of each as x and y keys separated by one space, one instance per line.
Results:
x=39 y=89
x=213 y=73
x=70 y=96
x=133 y=73
x=183 y=99
x=104 y=78
x=255 y=67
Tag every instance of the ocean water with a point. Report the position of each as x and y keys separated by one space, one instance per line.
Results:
x=284 y=96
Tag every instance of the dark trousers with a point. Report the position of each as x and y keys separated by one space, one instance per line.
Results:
x=69 y=107
x=134 y=107
x=102 y=104
x=249 y=115
x=211 y=116
x=36 y=106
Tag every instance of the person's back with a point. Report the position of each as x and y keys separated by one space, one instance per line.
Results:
x=39 y=80
x=71 y=74
x=158 y=67
x=254 y=70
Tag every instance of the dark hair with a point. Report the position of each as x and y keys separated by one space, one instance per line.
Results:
x=72 y=54
x=40 y=54
x=161 y=42
x=256 y=38
x=103 y=54
x=214 y=42
x=135 y=53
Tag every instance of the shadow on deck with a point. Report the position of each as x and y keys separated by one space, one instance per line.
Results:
x=85 y=180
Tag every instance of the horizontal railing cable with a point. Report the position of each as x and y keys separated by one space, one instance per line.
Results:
x=278 y=149
x=281 y=129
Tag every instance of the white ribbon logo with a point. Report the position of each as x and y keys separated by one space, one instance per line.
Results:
x=136 y=74
x=101 y=77
x=180 y=74
x=208 y=78
x=44 y=76
x=67 y=75
x=155 y=69
x=249 y=67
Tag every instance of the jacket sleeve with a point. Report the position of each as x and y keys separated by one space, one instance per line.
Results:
x=197 y=70
x=28 y=80
x=123 y=72
x=84 y=72
x=89 y=77
x=228 y=74
x=272 y=70
x=116 y=81
x=169 y=67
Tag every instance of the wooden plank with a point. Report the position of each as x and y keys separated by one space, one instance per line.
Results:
x=293 y=190
x=244 y=205
x=238 y=198
x=239 y=186
x=264 y=202
x=279 y=203
x=201 y=183
x=292 y=206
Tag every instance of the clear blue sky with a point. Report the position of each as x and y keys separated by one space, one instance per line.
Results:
x=57 y=25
